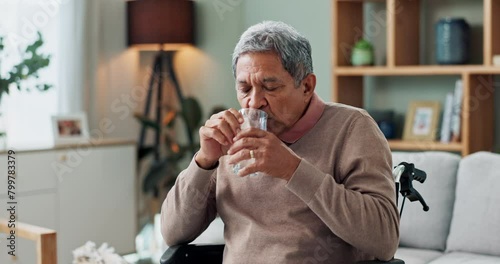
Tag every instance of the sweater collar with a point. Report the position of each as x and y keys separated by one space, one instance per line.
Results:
x=306 y=122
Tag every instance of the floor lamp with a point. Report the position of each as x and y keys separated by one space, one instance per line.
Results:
x=164 y=26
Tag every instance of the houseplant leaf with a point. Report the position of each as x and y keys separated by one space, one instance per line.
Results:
x=192 y=113
x=165 y=168
x=147 y=121
x=28 y=67
x=144 y=151
x=169 y=118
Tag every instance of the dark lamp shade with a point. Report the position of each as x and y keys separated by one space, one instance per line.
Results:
x=155 y=22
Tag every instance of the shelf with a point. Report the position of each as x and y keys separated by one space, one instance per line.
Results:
x=424 y=145
x=415 y=70
x=383 y=1
x=404 y=34
x=84 y=144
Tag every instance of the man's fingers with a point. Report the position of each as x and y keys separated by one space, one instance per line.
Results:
x=234 y=119
x=243 y=143
x=237 y=114
x=251 y=132
x=241 y=155
x=228 y=122
x=223 y=127
x=249 y=138
x=210 y=132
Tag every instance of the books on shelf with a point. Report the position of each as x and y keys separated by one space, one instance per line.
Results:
x=450 y=127
x=457 y=111
x=446 y=124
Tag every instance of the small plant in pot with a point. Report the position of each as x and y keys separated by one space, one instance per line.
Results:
x=362 y=53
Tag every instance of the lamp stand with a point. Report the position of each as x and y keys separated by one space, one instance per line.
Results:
x=156 y=82
x=173 y=78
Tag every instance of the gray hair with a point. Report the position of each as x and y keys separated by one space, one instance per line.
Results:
x=293 y=49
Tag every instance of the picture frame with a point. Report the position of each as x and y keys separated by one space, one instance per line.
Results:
x=422 y=119
x=70 y=129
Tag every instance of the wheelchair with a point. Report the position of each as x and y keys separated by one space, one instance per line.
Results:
x=403 y=174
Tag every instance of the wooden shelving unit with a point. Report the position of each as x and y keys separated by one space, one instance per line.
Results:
x=424 y=145
x=403 y=54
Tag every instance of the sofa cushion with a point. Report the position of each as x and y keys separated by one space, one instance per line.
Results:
x=464 y=258
x=416 y=256
x=475 y=226
x=429 y=230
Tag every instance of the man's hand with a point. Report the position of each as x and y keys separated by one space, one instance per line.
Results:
x=272 y=156
x=216 y=136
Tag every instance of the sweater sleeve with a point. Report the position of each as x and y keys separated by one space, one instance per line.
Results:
x=190 y=205
x=359 y=204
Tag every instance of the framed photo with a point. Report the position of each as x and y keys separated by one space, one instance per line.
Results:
x=70 y=129
x=422 y=120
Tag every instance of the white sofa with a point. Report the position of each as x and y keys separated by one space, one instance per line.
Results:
x=463 y=223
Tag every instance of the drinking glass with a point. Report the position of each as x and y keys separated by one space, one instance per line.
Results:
x=251 y=118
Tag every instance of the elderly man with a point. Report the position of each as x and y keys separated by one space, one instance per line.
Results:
x=325 y=193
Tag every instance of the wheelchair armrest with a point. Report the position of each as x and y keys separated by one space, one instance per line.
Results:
x=393 y=261
x=190 y=253
x=212 y=254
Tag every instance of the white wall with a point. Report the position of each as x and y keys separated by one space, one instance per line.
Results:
x=313 y=19
x=111 y=95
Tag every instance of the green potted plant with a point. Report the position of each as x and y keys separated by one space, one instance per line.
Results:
x=362 y=53
x=32 y=61
x=163 y=172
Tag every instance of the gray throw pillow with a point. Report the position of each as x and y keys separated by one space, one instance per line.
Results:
x=429 y=230
x=475 y=226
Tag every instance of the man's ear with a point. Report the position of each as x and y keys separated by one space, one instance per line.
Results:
x=309 y=84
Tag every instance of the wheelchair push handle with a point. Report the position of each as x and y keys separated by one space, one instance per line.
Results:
x=404 y=174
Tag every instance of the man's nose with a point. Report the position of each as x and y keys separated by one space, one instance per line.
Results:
x=257 y=99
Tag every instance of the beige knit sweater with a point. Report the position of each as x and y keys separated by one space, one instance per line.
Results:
x=338 y=207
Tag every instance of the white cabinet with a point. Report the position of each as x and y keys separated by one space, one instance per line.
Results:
x=83 y=193
x=31 y=174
